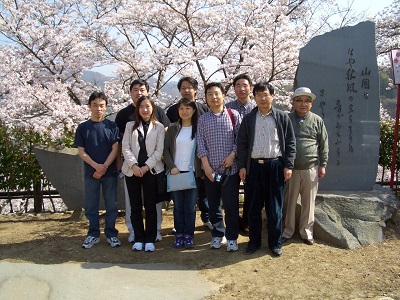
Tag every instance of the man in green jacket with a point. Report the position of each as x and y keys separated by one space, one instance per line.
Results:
x=309 y=165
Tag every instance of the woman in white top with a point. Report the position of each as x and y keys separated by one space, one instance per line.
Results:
x=142 y=147
x=178 y=149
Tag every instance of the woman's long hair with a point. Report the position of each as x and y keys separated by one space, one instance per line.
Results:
x=195 y=117
x=138 y=118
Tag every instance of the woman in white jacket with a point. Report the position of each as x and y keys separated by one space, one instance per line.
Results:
x=142 y=147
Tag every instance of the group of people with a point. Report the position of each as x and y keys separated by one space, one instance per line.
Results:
x=278 y=156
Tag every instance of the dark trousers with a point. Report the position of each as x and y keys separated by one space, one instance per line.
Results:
x=265 y=185
x=202 y=201
x=147 y=233
x=229 y=194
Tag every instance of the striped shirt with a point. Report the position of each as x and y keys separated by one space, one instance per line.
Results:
x=216 y=138
x=266 y=143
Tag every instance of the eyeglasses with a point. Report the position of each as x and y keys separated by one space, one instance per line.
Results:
x=184 y=88
x=308 y=101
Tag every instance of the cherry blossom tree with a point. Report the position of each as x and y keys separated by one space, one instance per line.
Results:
x=388 y=28
x=44 y=52
x=45 y=47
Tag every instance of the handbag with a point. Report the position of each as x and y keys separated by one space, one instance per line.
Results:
x=161 y=184
x=182 y=181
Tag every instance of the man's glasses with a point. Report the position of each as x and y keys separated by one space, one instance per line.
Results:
x=308 y=101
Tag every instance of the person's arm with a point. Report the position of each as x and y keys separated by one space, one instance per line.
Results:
x=113 y=155
x=156 y=156
x=323 y=150
x=202 y=152
x=230 y=159
x=242 y=142
x=208 y=171
x=168 y=142
x=290 y=147
x=100 y=168
x=129 y=156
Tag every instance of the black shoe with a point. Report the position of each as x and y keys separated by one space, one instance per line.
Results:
x=251 y=248
x=277 y=252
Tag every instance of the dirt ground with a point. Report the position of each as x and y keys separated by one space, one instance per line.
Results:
x=320 y=271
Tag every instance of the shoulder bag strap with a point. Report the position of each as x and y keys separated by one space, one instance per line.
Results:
x=192 y=156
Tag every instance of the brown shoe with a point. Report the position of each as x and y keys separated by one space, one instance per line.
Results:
x=308 y=241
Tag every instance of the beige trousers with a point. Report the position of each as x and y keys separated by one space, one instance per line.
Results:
x=303 y=183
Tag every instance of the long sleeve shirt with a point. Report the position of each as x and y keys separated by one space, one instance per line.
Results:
x=216 y=138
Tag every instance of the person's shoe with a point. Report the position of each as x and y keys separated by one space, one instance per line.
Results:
x=158 y=236
x=137 y=246
x=131 y=237
x=90 y=241
x=149 y=247
x=178 y=243
x=277 y=252
x=308 y=241
x=188 y=242
x=216 y=243
x=208 y=224
x=232 y=246
x=251 y=248
x=284 y=240
x=114 y=242
x=173 y=231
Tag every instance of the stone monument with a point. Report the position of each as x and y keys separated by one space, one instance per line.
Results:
x=340 y=67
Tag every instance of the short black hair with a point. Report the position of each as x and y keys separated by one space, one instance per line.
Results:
x=263 y=86
x=242 y=76
x=216 y=84
x=140 y=82
x=192 y=81
x=96 y=95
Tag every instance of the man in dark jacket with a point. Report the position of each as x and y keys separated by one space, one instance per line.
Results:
x=265 y=164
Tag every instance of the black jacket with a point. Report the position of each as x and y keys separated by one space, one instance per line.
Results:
x=245 y=139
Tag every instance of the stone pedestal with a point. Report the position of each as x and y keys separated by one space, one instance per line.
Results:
x=65 y=171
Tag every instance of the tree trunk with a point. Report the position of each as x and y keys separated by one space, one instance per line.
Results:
x=37 y=197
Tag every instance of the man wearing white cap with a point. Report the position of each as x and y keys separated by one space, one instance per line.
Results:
x=309 y=165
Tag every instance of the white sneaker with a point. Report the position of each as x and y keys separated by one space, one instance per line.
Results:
x=208 y=224
x=114 y=242
x=158 y=236
x=137 y=246
x=216 y=243
x=131 y=237
x=149 y=247
x=90 y=241
x=224 y=241
x=232 y=246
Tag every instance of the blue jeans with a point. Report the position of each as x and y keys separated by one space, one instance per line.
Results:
x=92 y=198
x=185 y=211
x=265 y=185
x=230 y=200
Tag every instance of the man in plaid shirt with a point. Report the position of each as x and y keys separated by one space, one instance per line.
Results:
x=216 y=135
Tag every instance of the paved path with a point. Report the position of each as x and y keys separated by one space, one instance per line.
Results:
x=101 y=281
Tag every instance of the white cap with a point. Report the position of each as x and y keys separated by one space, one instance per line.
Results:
x=303 y=91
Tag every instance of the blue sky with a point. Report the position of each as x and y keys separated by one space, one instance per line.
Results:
x=370 y=6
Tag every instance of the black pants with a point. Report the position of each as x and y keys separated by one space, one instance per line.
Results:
x=144 y=233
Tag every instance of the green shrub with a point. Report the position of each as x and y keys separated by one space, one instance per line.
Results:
x=386 y=145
